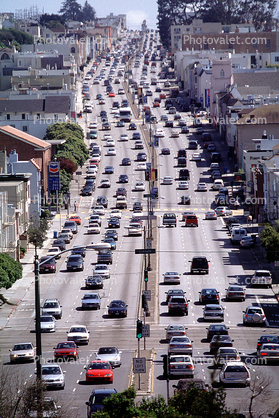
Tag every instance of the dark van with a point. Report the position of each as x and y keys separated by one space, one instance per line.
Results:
x=199 y=264
x=184 y=174
x=181 y=153
x=181 y=162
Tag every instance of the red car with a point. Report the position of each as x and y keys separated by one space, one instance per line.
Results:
x=76 y=219
x=99 y=370
x=111 y=94
x=162 y=96
x=66 y=349
x=156 y=104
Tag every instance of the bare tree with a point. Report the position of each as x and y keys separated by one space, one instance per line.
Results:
x=261 y=392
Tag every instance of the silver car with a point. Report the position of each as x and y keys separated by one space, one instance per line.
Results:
x=181 y=365
x=53 y=376
x=91 y=301
x=48 y=323
x=175 y=330
x=180 y=345
x=213 y=312
x=110 y=354
x=22 y=352
x=236 y=373
x=172 y=277
x=102 y=270
x=254 y=315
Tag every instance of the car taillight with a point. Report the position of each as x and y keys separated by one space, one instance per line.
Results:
x=172 y=367
x=263 y=354
x=217 y=296
x=190 y=367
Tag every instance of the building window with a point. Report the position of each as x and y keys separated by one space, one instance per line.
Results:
x=8 y=116
x=222 y=74
x=73 y=50
x=268 y=43
x=5 y=56
x=255 y=45
x=276 y=59
x=24 y=128
x=205 y=46
x=23 y=116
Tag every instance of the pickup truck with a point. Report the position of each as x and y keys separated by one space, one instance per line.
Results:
x=191 y=220
x=169 y=219
x=104 y=257
x=121 y=202
x=178 y=304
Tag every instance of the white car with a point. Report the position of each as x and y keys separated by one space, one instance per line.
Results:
x=201 y=187
x=123 y=137
x=105 y=183
x=134 y=229
x=140 y=186
x=53 y=376
x=110 y=354
x=183 y=185
x=210 y=214
x=94 y=228
x=98 y=210
x=160 y=133
x=22 y=351
x=79 y=334
x=106 y=137
x=214 y=166
x=235 y=373
x=175 y=134
x=102 y=270
x=254 y=315
x=116 y=213
x=171 y=277
x=141 y=167
x=110 y=143
x=167 y=180
x=196 y=156
x=223 y=211
x=262 y=277
x=92 y=125
x=111 y=151
x=54 y=251
x=181 y=365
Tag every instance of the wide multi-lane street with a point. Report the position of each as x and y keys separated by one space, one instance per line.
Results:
x=175 y=248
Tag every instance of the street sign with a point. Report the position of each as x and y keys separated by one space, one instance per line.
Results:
x=148 y=195
x=145 y=251
x=149 y=242
x=147 y=294
x=146 y=330
x=139 y=365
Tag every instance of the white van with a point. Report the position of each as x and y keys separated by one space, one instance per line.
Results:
x=218 y=183
x=237 y=234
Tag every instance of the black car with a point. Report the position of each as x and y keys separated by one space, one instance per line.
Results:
x=132 y=126
x=267 y=339
x=141 y=156
x=137 y=207
x=123 y=178
x=209 y=295
x=174 y=292
x=199 y=265
x=94 y=282
x=60 y=243
x=121 y=191
x=126 y=161
x=103 y=113
x=169 y=124
x=117 y=308
x=102 y=200
x=75 y=262
x=113 y=223
x=220 y=341
x=136 y=135
x=216 y=329
x=48 y=267
x=79 y=250
x=112 y=233
x=96 y=399
x=165 y=151
x=87 y=191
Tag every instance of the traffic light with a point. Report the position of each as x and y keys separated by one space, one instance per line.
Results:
x=166 y=366
x=146 y=275
x=139 y=329
x=144 y=302
x=147 y=174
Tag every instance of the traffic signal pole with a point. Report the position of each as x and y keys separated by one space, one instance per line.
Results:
x=139 y=335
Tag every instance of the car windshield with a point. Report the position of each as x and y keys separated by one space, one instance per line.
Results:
x=217 y=328
x=269 y=338
x=107 y=350
x=51 y=370
x=77 y=329
x=254 y=311
x=176 y=328
x=51 y=305
x=235 y=369
x=227 y=351
x=213 y=308
x=180 y=339
x=91 y=296
x=18 y=347
x=46 y=319
x=182 y=359
x=117 y=304
x=98 y=399
x=66 y=345
x=74 y=259
x=99 y=366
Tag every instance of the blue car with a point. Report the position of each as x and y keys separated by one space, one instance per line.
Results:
x=96 y=399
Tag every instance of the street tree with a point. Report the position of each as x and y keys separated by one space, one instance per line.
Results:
x=37 y=231
x=270 y=241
